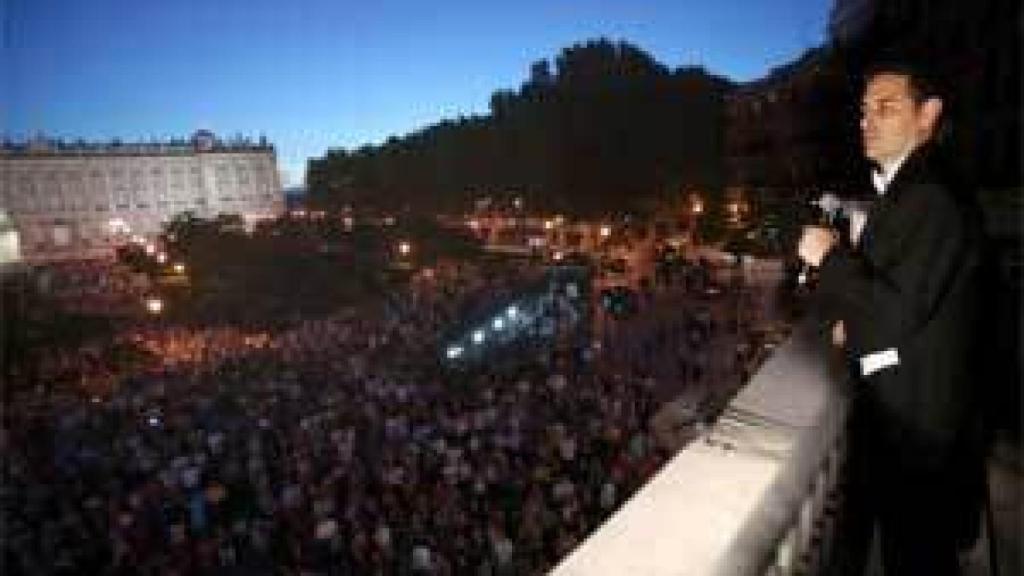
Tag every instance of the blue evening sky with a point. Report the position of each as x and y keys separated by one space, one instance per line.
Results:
x=314 y=74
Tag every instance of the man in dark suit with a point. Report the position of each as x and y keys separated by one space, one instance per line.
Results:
x=904 y=297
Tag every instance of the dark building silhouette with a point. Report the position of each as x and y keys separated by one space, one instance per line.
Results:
x=850 y=18
x=786 y=131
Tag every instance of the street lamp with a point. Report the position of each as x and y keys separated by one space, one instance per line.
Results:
x=404 y=248
x=118 y=226
x=154 y=305
x=696 y=210
x=605 y=231
x=179 y=268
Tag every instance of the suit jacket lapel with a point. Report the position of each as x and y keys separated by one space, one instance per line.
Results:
x=882 y=207
x=877 y=214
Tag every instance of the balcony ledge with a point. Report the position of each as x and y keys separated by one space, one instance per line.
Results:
x=724 y=502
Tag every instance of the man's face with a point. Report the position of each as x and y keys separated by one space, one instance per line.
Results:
x=892 y=123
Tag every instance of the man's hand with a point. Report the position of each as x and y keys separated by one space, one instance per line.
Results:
x=815 y=243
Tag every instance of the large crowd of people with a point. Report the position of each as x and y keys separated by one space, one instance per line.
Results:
x=339 y=446
x=95 y=286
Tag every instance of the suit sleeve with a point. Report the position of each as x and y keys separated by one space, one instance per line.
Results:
x=884 y=302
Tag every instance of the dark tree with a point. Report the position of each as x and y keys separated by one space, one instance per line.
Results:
x=610 y=129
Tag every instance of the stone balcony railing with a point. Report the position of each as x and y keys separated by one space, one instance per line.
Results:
x=752 y=495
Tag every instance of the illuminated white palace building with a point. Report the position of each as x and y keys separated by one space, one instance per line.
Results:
x=71 y=201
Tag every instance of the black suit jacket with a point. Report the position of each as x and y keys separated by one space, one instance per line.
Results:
x=911 y=285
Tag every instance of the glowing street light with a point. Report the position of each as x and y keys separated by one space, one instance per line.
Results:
x=512 y=312
x=454 y=352
x=498 y=323
x=161 y=258
x=478 y=336
x=404 y=248
x=154 y=305
x=549 y=224
x=605 y=231
x=179 y=268
x=118 y=226
x=150 y=249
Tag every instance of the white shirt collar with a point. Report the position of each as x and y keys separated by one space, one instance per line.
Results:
x=882 y=178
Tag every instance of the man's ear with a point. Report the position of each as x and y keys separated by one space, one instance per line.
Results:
x=928 y=115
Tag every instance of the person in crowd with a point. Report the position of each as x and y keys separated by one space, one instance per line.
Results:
x=313 y=449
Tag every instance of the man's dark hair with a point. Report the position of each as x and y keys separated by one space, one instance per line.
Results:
x=923 y=82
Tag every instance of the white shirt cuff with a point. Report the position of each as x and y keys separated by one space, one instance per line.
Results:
x=871 y=363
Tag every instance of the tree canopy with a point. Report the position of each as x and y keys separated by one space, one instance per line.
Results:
x=607 y=129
